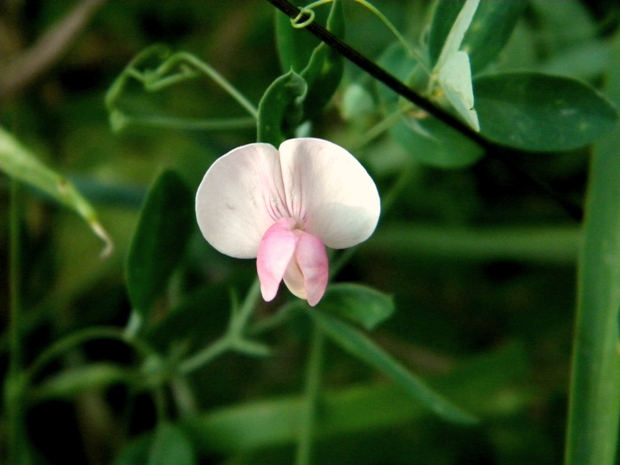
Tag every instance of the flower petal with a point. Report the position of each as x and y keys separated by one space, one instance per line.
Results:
x=311 y=261
x=275 y=252
x=240 y=196
x=329 y=191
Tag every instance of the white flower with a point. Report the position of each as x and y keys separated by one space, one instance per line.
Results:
x=284 y=206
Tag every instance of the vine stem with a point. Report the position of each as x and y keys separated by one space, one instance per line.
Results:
x=311 y=399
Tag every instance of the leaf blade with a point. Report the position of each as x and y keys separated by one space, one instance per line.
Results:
x=354 y=342
x=159 y=241
x=539 y=112
x=20 y=163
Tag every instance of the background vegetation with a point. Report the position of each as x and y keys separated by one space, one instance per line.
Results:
x=481 y=263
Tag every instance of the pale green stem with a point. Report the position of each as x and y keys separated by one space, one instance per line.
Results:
x=232 y=340
x=206 y=355
x=378 y=129
x=594 y=407
x=373 y=10
x=80 y=337
x=215 y=76
x=311 y=397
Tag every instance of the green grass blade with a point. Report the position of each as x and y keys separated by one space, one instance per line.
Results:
x=20 y=163
x=595 y=386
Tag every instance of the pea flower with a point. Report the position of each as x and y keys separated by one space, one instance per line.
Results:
x=283 y=206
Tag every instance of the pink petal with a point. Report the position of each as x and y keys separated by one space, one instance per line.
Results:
x=240 y=196
x=329 y=192
x=274 y=254
x=311 y=264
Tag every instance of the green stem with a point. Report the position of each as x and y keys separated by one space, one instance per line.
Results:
x=80 y=337
x=594 y=408
x=311 y=399
x=216 y=77
x=233 y=338
x=15 y=349
x=240 y=320
x=13 y=392
x=206 y=355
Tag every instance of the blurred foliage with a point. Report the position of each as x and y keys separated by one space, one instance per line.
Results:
x=479 y=263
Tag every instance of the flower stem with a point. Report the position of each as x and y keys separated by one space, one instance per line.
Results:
x=311 y=400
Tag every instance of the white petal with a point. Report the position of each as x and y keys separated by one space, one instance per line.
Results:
x=240 y=196
x=329 y=191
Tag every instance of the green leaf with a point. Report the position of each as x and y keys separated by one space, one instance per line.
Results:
x=68 y=383
x=360 y=304
x=490 y=30
x=455 y=80
x=455 y=37
x=594 y=406
x=358 y=345
x=444 y=16
x=171 y=447
x=487 y=34
x=324 y=70
x=360 y=409
x=280 y=109
x=135 y=452
x=20 y=163
x=295 y=46
x=168 y=445
x=430 y=141
x=158 y=244
x=538 y=112
x=399 y=63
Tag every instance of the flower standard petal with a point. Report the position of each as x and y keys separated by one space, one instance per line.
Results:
x=275 y=252
x=240 y=196
x=329 y=192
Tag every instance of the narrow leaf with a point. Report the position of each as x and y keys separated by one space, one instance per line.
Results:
x=359 y=409
x=455 y=80
x=457 y=32
x=20 y=163
x=280 y=110
x=539 y=112
x=358 y=345
x=171 y=447
x=486 y=33
x=360 y=304
x=324 y=70
x=159 y=242
x=295 y=46
x=68 y=383
x=444 y=16
x=490 y=30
